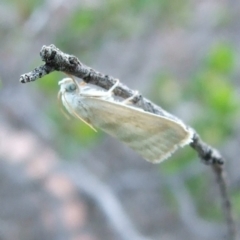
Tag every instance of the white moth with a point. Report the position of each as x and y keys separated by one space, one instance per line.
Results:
x=154 y=137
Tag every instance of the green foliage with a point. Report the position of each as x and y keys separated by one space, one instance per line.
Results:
x=71 y=131
x=49 y=85
x=178 y=161
x=217 y=108
x=214 y=95
x=221 y=58
x=77 y=133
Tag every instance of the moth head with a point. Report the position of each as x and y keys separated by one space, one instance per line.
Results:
x=68 y=85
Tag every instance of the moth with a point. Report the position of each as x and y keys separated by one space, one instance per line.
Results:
x=152 y=136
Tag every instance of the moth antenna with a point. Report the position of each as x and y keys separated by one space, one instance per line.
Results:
x=61 y=107
x=76 y=115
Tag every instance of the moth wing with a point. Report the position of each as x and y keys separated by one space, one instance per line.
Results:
x=152 y=136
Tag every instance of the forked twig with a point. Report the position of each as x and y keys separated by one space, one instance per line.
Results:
x=56 y=60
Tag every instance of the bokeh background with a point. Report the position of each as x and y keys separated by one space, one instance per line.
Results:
x=61 y=180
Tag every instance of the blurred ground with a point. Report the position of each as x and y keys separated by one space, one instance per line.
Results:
x=60 y=180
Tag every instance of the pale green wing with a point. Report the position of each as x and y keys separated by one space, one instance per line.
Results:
x=154 y=137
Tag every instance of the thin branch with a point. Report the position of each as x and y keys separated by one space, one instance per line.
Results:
x=220 y=175
x=56 y=60
x=206 y=153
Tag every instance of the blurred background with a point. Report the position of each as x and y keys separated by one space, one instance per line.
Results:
x=61 y=180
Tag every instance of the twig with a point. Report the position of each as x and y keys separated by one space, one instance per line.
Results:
x=226 y=203
x=211 y=156
x=56 y=60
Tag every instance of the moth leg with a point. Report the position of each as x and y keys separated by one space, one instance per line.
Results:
x=129 y=100
x=114 y=86
x=101 y=94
